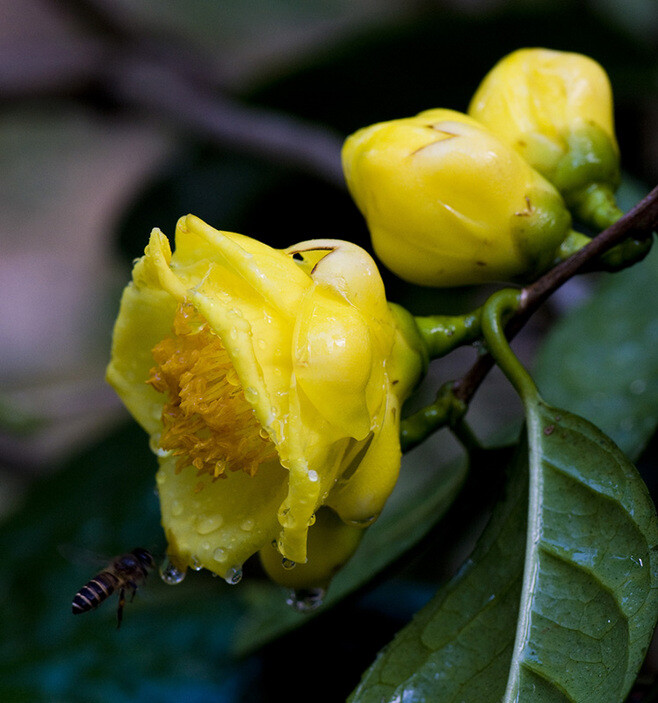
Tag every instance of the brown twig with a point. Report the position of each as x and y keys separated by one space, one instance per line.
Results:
x=640 y=222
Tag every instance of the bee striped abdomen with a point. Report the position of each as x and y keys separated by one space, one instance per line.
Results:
x=95 y=592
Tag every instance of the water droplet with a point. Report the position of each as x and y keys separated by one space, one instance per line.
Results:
x=287 y=563
x=195 y=563
x=205 y=524
x=311 y=521
x=480 y=347
x=312 y=475
x=176 y=508
x=262 y=343
x=233 y=575
x=219 y=554
x=638 y=386
x=363 y=523
x=303 y=600
x=275 y=544
x=250 y=394
x=170 y=574
x=626 y=424
x=247 y=525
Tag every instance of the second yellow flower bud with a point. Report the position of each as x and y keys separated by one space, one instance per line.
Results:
x=555 y=109
x=447 y=203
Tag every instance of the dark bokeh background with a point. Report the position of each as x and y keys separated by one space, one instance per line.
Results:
x=120 y=115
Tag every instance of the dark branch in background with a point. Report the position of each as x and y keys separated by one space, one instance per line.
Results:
x=639 y=223
x=153 y=76
x=155 y=89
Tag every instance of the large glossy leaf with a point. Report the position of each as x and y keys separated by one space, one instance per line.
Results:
x=598 y=361
x=558 y=601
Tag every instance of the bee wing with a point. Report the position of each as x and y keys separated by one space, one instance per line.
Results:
x=82 y=556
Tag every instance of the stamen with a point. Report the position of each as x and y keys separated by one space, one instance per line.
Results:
x=208 y=423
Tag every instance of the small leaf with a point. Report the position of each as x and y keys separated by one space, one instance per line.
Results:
x=560 y=597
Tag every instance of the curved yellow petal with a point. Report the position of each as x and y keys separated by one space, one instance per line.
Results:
x=219 y=525
x=359 y=496
x=330 y=544
x=332 y=360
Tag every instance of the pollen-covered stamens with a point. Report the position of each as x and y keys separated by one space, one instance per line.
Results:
x=207 y=421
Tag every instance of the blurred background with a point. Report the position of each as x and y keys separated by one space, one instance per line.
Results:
x=120 y=115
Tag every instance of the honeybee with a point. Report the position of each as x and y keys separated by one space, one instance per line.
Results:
x=125 y=572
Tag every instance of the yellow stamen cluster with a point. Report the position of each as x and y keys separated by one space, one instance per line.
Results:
x=207 y=421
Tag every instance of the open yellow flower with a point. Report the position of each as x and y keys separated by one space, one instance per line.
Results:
x=270 y=383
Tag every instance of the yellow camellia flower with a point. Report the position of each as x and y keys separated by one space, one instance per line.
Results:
x=270 y=383
x=555 y=108
x=447 y=203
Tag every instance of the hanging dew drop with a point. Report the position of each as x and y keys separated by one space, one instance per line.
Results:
x=170 y=574
x=287 y=563
x=233 y=575
x=195 y=563
x=304 y=600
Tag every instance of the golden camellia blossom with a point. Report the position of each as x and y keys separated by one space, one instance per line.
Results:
x=555 y=108
x=270 y=383
x=447 y=203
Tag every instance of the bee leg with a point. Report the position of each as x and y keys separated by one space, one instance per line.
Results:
x=122 y=601
x=133 y=586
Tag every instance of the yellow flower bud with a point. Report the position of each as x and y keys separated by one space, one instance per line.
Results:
x=555 y=108
x=447 y=203
x=270 y=383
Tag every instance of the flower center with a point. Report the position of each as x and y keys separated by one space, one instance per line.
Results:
x=207 y=421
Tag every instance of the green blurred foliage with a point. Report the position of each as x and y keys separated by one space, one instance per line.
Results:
x=339 y=65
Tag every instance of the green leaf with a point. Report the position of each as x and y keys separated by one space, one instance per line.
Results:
x=560 y=597
x=419 y=501
x=598 y=361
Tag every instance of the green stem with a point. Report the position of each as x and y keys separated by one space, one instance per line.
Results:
x=445 y=410
x=494 y=316
x=443 y=333
x=621 y=256
x=597 y=206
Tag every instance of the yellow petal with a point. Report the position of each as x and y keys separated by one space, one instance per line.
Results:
x=330 y=544
x=333 y=360
x=362 y=491
x=218 y=525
